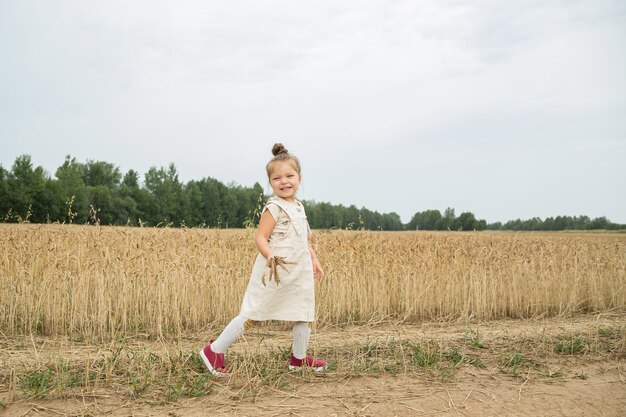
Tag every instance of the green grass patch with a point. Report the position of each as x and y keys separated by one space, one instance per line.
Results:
x=571 y=345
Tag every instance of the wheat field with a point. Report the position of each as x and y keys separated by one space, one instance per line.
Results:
x=107 y=281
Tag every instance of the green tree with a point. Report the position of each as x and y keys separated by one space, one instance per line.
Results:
x=391 y=221
x=426 y=220
x=101 y=173
x=28 y=190
x=193 y=205
x=70 y=178
x=5 y=204
x=133 y=200
x=211 y=201
x=312 y=213
x=495 y=226
x=102 y=181
x=466 y=221
x=600 y=223
x=352 y=217
x=166 y=196
x=447 y=221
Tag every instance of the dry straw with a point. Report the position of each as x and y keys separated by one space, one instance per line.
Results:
x=106 y=281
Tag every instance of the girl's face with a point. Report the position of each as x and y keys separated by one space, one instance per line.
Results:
x=284 y=180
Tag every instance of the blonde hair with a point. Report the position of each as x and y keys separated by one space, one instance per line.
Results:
x=281 y=154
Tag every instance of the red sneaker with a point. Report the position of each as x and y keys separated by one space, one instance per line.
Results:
x=317 y=365
x=213 y=361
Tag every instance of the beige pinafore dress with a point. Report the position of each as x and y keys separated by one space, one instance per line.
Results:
x=293 y=299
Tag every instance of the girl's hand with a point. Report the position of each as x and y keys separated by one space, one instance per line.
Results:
x=272 y=264
x=318 y=272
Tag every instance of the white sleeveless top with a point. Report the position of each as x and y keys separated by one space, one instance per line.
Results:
x=294 y=298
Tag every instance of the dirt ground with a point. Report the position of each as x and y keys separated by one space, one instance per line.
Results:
x=586 y=384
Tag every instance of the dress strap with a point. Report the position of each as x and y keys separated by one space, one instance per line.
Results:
x=287 y=208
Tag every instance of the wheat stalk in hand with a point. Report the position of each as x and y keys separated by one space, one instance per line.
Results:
x=273 y=263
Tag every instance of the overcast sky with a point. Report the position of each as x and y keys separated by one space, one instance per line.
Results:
x=508 y=109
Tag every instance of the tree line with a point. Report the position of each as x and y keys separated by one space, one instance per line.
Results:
x=558 y=223
x=97 y=192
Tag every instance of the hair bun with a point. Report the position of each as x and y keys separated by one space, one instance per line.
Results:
x=278 y=148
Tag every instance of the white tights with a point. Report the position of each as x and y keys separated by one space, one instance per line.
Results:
x=234 y=329
x=301 y=335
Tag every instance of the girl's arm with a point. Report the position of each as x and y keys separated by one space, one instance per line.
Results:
x=266 y=225
x=318 y=272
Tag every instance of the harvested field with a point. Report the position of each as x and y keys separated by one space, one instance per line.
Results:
x=549 y=367
x=109 y=321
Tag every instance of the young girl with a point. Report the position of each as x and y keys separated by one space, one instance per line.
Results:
x=281 y=285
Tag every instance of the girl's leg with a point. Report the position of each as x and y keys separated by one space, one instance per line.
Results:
x=299 y=358
x=231 y=332
x=301 y=336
